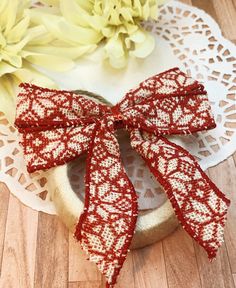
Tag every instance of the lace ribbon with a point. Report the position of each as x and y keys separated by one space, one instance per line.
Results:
x=58 y=126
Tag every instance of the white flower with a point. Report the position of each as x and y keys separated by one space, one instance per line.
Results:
x=116 y=23
x=24 y=44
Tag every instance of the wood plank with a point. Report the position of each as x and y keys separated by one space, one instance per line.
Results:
x=80 y=269
x=224 y=176
x=4 y=200
x=149 y=267
x=216 y=274
x=226 y=268
x=85 y=284
x=51 y=268
x=19 y=246
x=126 y=277
x=207 y=6
x=180 y=259
x=234 y=277
x=189 y=2
x=226 y=15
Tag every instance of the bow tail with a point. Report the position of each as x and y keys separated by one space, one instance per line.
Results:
x=199 y=205
x=106 y=226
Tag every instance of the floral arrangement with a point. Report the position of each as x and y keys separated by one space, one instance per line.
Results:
x=24 y=44
x=54 y=33
x=115 y=23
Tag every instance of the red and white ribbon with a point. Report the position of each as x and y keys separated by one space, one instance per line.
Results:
x=58 y=126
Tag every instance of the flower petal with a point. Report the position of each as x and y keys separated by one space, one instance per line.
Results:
x=65 y=52
x=6 y=68
x=67 y=32
x=31 y=34
x=115 y=52
x=70 y=10
x=138 y=36
x=8 y=15
x=13 y=59
x=29 y=74
x=51 y=62
x=18 y=31
x=145 y=48
x=7 y=93
x=50 y=2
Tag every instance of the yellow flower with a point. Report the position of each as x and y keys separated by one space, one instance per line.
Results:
x=116 y=23
x=25 y=45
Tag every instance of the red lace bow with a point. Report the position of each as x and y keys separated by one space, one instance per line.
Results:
x=58 y=126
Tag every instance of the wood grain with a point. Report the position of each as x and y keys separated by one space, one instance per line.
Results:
x=224 y=176
x=234 y=276
x=189 y=2
x=51 y=264
x=37 y=251
x=86 y=284
x=216 y=274
x=149 y=267
x=4 y=199
x=207 y=6
x=19 y=246
x=80 y=269
x=179 y=257
x=126 y=278
x=226 y=15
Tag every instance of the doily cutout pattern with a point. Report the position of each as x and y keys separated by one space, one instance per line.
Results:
x=197 y=41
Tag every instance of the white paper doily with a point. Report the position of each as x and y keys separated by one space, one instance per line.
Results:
x=196 y=40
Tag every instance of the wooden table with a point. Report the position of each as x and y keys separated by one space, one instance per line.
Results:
x=36 y=250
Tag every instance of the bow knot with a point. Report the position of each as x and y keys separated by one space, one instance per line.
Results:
x=114 y=116
x=116 y=113
x=57 y=126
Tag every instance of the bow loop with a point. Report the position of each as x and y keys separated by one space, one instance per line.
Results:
x=168 y=103
x=41 y=108
x=164 y=85
x=56 y=126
